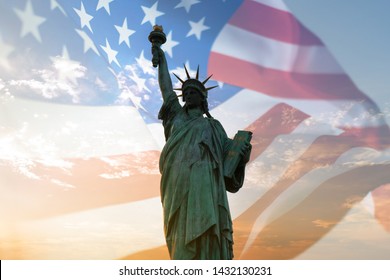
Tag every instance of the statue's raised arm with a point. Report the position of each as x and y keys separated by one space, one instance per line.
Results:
x=157 y=38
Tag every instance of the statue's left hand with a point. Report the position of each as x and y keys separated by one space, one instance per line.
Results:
x=245 y=152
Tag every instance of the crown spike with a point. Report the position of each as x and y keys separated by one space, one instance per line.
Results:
x=211 y=87
x=197 y=73
x=188 y=75
x=178 y=78
x=205 y=81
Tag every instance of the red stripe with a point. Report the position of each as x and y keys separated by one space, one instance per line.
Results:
x=282 y=84
x=273 y=23
x=280 y=119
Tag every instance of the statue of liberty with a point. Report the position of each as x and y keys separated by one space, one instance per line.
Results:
x=198 y=164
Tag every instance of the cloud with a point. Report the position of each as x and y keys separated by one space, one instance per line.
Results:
x=59 y=80
x=357 y=157
x=67 y=70
x=323 y=223
x=342 y=114
x=22 y=165
x=101 y=84
x=124 y=166
x=146 y=65
x=116 y=175
x=62 y=184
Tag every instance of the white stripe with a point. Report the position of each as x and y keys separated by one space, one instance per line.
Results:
x=157 y=131
x=42 y=130
x=274 y=54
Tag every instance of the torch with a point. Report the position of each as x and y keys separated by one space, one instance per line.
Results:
x=157 y=38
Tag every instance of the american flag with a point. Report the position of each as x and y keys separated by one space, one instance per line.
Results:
x=80 y=138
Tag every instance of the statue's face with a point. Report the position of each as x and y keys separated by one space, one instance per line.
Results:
x=193 y=98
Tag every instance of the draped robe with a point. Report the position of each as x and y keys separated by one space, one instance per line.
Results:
x=197 y=222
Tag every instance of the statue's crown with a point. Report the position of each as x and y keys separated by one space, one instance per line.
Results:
x=194 y=83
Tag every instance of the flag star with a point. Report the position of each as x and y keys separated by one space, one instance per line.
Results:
x=169 y=44
x=197 y=28
x=30 y=21
x=104 y=4
x=84 y=17
x=145 y=64
x=88 y=43
x=186 y=4
x=139 y=82
x=124 y=33
x=54 y=4
x=111 y=54
x=151 y=14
